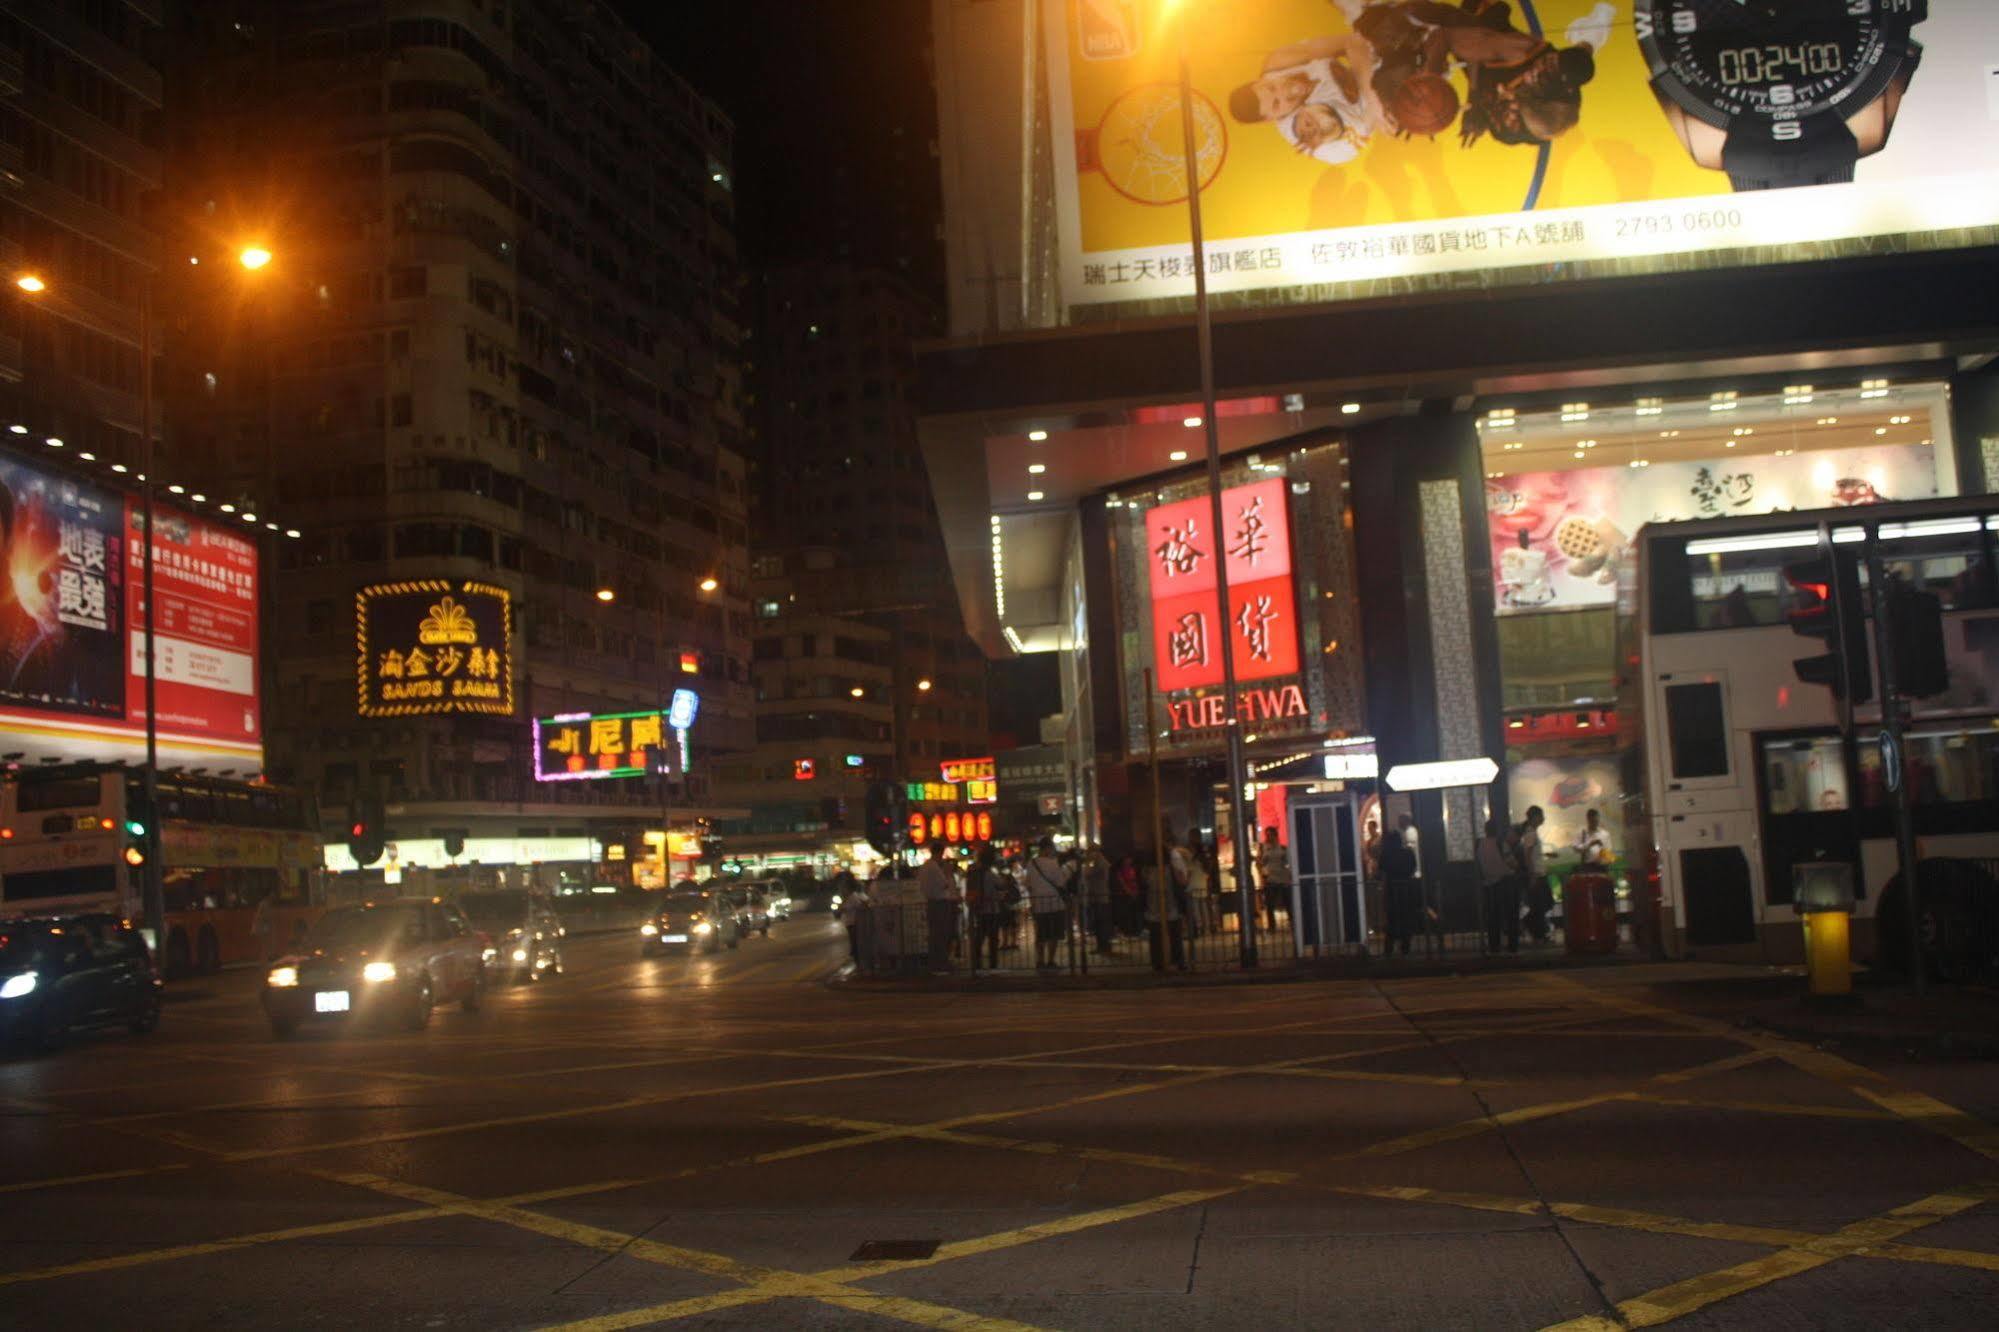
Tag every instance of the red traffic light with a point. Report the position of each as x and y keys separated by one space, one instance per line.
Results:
x=358 y=830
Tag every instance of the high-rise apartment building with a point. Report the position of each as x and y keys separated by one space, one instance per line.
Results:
x=79 y=151
x=498 y=340
x=863 y=668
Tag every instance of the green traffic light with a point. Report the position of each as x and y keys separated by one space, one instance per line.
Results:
x=134 y=827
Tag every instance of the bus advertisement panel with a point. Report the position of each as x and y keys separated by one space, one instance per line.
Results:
x=72 y=607
x=1405 y=141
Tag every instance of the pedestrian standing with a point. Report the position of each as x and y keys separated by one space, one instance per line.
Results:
x=1500 y=884
x=986 y=893
x=1097 y=897
x=1200 y=891
x=1048 y=894
x=1273 y=866
x=1533 y=861
x=1175 y=924
x=1127 y=893
x=1404 y=894
x=857 y=914
x=939 y=883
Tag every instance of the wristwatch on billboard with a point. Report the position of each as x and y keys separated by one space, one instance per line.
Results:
x=1780 y=92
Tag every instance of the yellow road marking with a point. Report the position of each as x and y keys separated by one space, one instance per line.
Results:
x=1770 y=1107
x=60 y=1181
x=767 y=1282
x=1684 y=1297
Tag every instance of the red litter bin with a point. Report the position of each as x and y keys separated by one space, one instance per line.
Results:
x=1589 y=913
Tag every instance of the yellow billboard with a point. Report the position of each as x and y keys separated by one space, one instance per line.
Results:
x=1345 y=140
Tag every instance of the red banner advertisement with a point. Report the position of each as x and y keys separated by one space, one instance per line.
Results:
x=1187 y=620
x=205 y=630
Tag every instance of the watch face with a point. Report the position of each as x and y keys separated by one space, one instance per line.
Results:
x=1723 y=60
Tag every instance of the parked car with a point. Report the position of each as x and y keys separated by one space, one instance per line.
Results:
x=526 y=933
x=389 y=960
x=752 y=908
x=59 y=973
x=691 y=920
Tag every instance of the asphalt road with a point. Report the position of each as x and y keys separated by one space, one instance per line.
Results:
x=711 y=1142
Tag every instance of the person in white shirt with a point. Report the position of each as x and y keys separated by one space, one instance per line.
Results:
x=1413 y=840
x=1592 y=845
x=1318 y=95
x=1533 y=862
x=1048 y=895
x=939 y=883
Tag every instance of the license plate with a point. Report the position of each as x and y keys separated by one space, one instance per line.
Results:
x=673 y=938
x=330 y=1001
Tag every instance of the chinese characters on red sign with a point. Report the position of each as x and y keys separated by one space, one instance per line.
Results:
x=1187 y=619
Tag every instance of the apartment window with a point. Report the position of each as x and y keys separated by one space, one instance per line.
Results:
x=407 y=282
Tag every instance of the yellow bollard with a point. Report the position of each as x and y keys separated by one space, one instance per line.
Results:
x=1822 y=894
x=1829 y=953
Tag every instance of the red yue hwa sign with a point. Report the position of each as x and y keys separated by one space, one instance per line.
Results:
x=1187 y=619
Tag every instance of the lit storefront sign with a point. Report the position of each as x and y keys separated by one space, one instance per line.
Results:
x=1442 y=775
x=434 y=646
x=979 y=777
x=1352 y=767
x=933 y=793
x=951 y=826
x=582 y=746
x=1502 y=170
x=1187 y=617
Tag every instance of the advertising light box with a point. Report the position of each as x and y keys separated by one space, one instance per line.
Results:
x=434 y=646
x=1382 y=139
x=72 y=617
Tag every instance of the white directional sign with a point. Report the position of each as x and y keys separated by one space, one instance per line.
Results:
x=1438 y=776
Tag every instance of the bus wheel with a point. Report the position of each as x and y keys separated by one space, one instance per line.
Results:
x=208 y=952
x=179 y=960
x=1957 y=940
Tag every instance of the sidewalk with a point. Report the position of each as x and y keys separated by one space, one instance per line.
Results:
x=1282 y=972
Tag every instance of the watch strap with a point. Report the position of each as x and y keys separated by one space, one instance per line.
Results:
x=1824 y=153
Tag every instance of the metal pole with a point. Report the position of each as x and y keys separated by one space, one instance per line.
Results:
x=1159 y=934
x=155 y=887
x=1245 y=841
x=1892 y=727
x=666 y=749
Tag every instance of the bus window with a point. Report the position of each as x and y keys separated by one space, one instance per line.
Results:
x=76 y=881
x=1696 y=731
x=1952 y=766
x=1805 y=776
x=70 y=793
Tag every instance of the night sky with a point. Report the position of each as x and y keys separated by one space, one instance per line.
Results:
x=835 y=114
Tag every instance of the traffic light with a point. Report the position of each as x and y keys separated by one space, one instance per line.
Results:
x=1915 y=625
x=1828 y=609
x=367 y=835
x=884 y=816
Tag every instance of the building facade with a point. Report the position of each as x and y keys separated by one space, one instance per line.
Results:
x=80 y=99
x=498 y=340
x=863 y=668
x=1475 y=364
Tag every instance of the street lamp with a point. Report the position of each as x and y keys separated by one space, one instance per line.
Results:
x=1245 y=840
x=709 y=584
x=154 y=895
x=607 y=595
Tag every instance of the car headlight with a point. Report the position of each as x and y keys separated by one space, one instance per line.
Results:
x=648 y=929
x=283 y=978
x=836 y=901
x=489 y=954
x=520 y=955
x=514 y=934
x=378 y=972
x=703 y=927
x=16 y=986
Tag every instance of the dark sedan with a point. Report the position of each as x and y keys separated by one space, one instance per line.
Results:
x=395 y=960
x=690 y=920
x=525 y=932
x=64 y=972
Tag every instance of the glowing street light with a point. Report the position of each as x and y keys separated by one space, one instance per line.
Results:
x=606 y=595
x=709 y=584
x=31 y=284
x=254 y=257
x=923 y=686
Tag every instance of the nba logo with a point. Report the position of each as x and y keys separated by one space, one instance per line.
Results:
x=1107 y=29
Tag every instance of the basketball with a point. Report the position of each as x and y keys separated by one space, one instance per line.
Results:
x=1424 y=104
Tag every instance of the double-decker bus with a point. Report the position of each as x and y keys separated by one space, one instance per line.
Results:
x=243 y=864
x=1744 y=770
